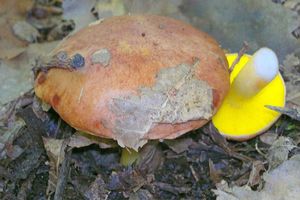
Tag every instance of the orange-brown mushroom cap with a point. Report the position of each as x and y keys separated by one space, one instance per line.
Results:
x=144 y=77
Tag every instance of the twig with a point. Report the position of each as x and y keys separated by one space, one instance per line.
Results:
x=259 y=151
x=222 y=142
x=172 y=189
x=63 y=175
x=294 y=113
x=194 y=173
x=240 y=54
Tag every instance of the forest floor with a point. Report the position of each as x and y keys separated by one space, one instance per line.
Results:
x=47 y=159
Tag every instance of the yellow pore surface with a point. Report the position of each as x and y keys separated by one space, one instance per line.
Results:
x=241 y=118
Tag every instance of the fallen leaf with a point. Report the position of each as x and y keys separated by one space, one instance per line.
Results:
x=255 y=175
x=150 y=158
x=11 y=12
x=26 y=186
x=55 y=149
x=13 y=82
x=179 y=145
x=283 y=182
x=81 y=139
x=25 y=31
x=291 y=4
x=141 y=194
x=7 y=136
x=279 y=151
x=214 y=174
x=127 y=180
x=268 y=137
x=224 y=192
x=16 y=76
x=291 y=74
x=294 y=113
x=173 y=189
x=97 y=190
x=10 y=52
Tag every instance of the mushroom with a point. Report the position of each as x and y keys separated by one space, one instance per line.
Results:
x=134 y=78
x=255 y=83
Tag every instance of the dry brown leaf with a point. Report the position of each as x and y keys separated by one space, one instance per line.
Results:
x=255 y=175
x=80 y=139
x=150 y=158
x=268 y=137
x=292 y=76
x=97 y=190
x=224 y=192
x=283 y=182
x=11 y=12
x=141 y=194
x=172 y=189
x=279 y=151
x=7 y=136
x=293 y=112
x=55 y=150
x=25 y=31
x=179 y=145
x=214 y=174
x=15 y=74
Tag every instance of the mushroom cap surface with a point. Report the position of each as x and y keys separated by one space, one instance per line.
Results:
x=144 y=77
x=241 y=118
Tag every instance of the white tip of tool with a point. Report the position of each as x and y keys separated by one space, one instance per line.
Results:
x=265 y=63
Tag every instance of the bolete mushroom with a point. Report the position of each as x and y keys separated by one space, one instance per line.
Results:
x=255 y=83
x=134 y=78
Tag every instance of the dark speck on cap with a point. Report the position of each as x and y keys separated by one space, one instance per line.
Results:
x=77 y=61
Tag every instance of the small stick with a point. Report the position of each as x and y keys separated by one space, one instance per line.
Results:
x=293 y=113
x=63 y=175
x=240 y=54
x=222 y=142
x=194 y=173
x=259 y=151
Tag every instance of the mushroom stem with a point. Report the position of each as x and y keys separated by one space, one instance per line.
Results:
x=257 y=73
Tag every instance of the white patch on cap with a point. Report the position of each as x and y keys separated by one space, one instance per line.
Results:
x=101 y=56
x=265 y=63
